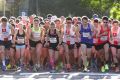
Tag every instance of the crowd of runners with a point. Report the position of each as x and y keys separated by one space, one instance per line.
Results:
x=60 y=44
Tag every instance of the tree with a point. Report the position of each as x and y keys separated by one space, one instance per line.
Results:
x=115 y=11
x=72 y=7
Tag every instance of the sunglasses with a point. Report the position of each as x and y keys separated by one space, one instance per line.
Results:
x=95 y=21
x=105 y=22
x=85 y=22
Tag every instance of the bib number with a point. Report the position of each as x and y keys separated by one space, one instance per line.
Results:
x=53 y=40
x=86 y=34
x=21 y=40
x=103 y=38
x=36 y=35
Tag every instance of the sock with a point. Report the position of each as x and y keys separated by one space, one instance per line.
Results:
x=3 y=62
x=52 y=62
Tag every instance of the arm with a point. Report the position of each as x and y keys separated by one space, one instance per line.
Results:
x=93 y=30
x=61 y=34
x=110 y=37
x=12 y=32
x=78 y=33
x=28 y=33
x=42 y=35
x=26 y=39
x=47 y=37
x=60 y=40
x=14 y=38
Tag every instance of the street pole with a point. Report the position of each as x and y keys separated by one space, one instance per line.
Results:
x=37 y=7
x=4 y=7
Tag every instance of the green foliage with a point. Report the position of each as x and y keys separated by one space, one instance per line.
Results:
x=115 y=11
x=75 y=7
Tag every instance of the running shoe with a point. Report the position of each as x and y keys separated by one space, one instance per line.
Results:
x=86 y=69
x=106 y=67
x=3 y=68
x=35 y=68
x=8 y=66
x=102 y=69
x=52 y=71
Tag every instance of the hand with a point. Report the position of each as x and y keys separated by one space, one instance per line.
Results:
x=9 y=36
x=42 y=41
x=46 y=44
x=89 y=37
x=28 y=45
x=18 y=41
x=13 y=45
x=58 y=46
x=111 y=41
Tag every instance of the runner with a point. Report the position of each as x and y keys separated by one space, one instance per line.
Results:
x=86 y=33
x=103 y=41
x=53 y=37
x=77 y=44
x=59 y=26
x=115 y=44
x=96 y=49
x=20 y=38
x=45 y=55
x=11 y=64
x=68 y=34
x=5 y=40
x=35 y=36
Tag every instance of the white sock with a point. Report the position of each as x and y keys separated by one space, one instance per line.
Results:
x=3 y=62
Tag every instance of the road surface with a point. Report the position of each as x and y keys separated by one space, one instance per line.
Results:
x=16 y=75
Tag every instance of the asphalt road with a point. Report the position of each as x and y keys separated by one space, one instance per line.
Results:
x=16 y=75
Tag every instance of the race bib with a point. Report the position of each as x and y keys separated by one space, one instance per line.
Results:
x=5 y=34
x=103 y=38
x=21 y=40
x=68 y=37
x=86 y=34
x=53 y=40
x=36 y=34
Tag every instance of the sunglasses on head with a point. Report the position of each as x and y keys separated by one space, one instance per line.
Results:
x=69 y=22
x=36 y=20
